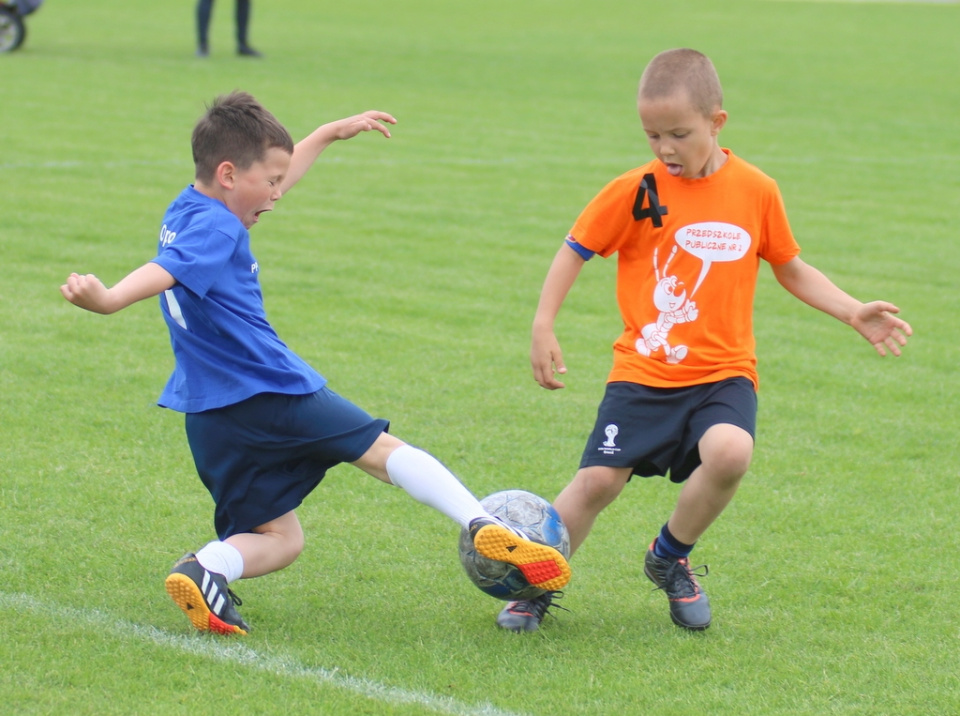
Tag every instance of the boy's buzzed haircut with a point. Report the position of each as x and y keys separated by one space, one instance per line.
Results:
x=237 y=129
x=683 y=69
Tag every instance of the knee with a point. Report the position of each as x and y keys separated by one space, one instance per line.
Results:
x=729 y=459
x=601 y=486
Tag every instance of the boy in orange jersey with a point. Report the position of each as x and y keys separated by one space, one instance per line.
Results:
x=690 y=228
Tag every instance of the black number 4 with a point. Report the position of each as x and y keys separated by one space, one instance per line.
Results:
x=648 y=190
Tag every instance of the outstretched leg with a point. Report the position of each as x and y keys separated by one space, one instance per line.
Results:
x=426 y=480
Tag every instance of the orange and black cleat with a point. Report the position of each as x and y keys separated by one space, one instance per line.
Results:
x=204 y=597
x=540 y=564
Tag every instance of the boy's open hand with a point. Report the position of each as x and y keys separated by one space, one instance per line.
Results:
x=875 y=322
x=350 y=127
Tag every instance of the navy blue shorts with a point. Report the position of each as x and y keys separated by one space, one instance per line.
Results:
x=656 y=430
x=261 y=457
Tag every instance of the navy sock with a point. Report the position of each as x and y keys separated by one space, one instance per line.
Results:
x=666 y=546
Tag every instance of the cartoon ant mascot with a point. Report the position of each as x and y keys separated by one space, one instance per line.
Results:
x=670 y=298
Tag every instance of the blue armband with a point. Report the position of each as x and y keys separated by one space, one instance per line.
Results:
x=585 y=253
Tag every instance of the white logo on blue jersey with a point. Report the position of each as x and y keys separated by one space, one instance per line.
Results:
x=166 y=236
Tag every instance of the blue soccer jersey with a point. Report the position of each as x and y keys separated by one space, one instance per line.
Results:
x=224 y=348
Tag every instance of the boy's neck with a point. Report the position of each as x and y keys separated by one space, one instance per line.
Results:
x=207 y=190
x=717 y=159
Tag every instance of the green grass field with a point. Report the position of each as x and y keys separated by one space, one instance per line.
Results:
x=408 y=271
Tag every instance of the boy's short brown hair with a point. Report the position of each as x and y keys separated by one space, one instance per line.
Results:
x=237 y=129
x=687 y=69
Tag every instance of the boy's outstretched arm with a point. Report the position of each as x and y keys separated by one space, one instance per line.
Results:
x=305 y=152
x=874 y=321
x=545 y=353
x=89 y=292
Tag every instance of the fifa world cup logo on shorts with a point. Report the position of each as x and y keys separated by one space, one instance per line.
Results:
x=611 y=433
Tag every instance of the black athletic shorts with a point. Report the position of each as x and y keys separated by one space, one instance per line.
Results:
x=656 y=430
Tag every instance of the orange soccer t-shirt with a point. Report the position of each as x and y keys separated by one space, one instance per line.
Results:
x=688 y=255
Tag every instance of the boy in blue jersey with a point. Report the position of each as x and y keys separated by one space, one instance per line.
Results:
x=262 y=425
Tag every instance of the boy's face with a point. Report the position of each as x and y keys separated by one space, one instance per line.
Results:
x=256 y=189
x=681 y=136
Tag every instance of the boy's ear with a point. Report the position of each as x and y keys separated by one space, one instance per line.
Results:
x=226 y=174
x=719 y=120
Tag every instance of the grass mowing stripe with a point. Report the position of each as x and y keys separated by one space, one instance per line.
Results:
x=231 y=650
x=69 y=164
x=914 y=160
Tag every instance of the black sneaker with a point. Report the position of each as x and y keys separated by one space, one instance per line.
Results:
x=689 y=606
x=204 y=597
x=540 y=564
x=247 y=51
x=527 y=614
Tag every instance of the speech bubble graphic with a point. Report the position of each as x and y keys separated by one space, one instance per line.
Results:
x=712 y=241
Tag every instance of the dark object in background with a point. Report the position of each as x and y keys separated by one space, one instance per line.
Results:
x=13 y=31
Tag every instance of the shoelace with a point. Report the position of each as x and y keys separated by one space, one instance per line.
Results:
x=540 y=606
x=234 y=598
x=680 y=579
x=516 y=530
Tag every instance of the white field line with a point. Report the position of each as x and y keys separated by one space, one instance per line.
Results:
x=233 y=651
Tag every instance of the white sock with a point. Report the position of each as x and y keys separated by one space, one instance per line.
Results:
x=426 y=480
x=222 y=558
